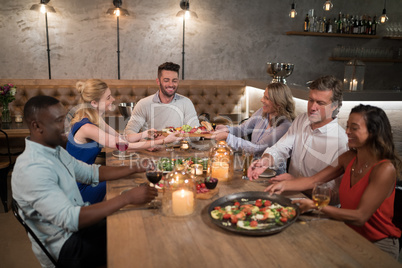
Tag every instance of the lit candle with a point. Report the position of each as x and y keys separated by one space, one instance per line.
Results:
x=184 y=145
x=18 y=118
x=182 y=202
x=196 y=169
x=220 y=170
x=353 y=85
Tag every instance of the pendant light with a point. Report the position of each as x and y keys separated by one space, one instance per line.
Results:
x=328 y=5
x=293 y=13
x=384 y=17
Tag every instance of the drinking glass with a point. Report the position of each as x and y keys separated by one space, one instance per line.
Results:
x=321 y=196
x=153 y=172
x=122 y=146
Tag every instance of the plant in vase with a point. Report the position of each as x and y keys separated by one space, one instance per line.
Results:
x=7 y=95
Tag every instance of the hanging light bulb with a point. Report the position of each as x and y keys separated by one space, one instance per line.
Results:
x=384 y=17
x=117 y=12
x=328 y=5
x=43 y=9
x=293 y=13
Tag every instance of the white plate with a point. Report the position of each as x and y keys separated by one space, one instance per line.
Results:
x=133 y=155
x=269 y=173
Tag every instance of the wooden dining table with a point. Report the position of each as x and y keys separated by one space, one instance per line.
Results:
x=147 y=238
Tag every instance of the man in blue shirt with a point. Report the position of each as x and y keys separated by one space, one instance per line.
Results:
x=44 y=186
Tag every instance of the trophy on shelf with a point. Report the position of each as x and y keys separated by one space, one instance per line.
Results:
x=279 y=71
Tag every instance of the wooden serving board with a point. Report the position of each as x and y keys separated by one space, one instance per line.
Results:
x=205 y=135
x=208 y=195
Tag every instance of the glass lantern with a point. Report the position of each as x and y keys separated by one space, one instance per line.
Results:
x=354 y=76
x=179 y=193
x=221 y=162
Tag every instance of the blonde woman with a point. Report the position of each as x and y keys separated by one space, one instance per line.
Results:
x=266 y=126
x=89 y=132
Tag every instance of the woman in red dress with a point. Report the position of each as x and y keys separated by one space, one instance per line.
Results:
x=370 y=170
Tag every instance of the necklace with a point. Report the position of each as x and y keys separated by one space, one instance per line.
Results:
x=365 y=165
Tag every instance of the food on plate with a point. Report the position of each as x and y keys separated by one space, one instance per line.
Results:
x=187 y=129
x=168 y=164
x=253 y=215
x=207 y=125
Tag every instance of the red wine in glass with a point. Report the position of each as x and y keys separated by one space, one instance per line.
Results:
x=122 y=146
x=154 y=176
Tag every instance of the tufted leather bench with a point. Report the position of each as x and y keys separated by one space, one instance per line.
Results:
x=209 y=96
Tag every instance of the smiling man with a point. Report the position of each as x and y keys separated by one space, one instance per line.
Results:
x=165 y=108
x=44 y=186
x=314 y=140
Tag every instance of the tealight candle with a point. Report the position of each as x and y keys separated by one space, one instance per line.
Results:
x=220 y=170
x=196 y=169
x=18 y=118
x=182 y=202
x=184 y=145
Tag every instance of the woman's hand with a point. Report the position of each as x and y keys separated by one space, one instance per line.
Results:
x=304 y=204
x=276 y=188
x=282 y=177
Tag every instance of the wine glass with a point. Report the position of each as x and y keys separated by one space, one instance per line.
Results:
x=153 y=172
x=321 y=196
x=122 y=146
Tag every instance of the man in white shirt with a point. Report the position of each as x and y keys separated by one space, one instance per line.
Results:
x=166 y=108
x=313 y=141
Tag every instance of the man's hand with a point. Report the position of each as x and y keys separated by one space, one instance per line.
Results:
x=282 y=177
x=221 y=128
x=257 y=168
x=220 y=135
x=141 y=195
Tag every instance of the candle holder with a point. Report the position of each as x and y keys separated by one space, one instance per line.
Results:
x=220 y=164
x=184 y=145
x=179 y=193
x=197 y=169
x=354 y=76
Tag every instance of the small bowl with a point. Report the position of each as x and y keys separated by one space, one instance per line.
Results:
x=211 y=184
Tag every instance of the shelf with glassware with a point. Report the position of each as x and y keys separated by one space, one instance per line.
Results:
x=364 y=59
x=393 y=37
x=334 y=35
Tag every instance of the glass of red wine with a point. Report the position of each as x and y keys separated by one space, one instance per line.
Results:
x=153 y=172
x=122 y=146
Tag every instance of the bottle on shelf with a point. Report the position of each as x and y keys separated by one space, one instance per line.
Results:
x=328 y=26
x=339 y=22
x=374 y=26
x=347 y=24
x=364 y=25
x=306 y=23
x=356 y=25
x=369 y=25
x=320 y=23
